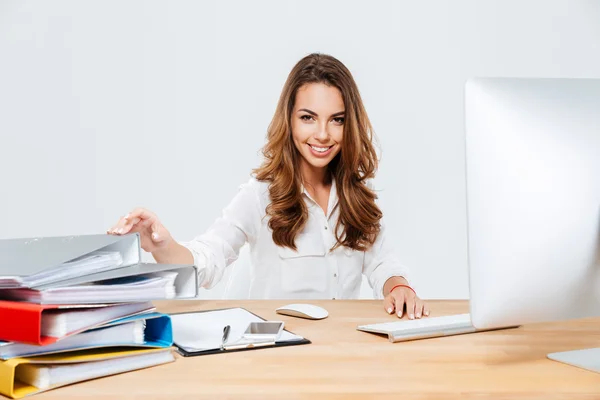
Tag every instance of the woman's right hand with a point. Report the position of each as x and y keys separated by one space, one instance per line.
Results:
x=153 y=234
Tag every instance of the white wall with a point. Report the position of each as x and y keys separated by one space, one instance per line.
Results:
x=107 y=105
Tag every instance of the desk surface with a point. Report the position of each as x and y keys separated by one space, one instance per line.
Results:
x=343 y=363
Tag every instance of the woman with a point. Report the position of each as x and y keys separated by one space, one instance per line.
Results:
x=308 y=214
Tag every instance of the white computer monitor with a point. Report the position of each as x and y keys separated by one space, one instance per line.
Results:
x=533 y=203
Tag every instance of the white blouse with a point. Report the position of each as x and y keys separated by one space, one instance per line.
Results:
x=311 y=272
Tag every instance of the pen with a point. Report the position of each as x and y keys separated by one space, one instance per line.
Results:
x=249 y=345
x=225 y=336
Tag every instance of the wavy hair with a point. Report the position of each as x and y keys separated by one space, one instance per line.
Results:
x=359 y=216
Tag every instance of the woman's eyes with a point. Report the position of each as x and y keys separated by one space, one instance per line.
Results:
x=337 y=120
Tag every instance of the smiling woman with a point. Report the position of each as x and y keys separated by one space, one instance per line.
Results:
x=321 y=135
x=309 y=212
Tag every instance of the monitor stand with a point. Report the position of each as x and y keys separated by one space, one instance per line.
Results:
x=587 y=358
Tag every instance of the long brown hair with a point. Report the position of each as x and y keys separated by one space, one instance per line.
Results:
x=359 y=219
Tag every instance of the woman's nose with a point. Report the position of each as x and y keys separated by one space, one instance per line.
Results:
x=322 y=135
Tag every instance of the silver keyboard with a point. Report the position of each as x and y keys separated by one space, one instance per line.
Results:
x=422 y=328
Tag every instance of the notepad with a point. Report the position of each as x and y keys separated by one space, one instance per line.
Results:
x=45 y=376
x=202 y=332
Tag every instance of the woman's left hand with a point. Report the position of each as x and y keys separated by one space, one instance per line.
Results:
x=401 y=297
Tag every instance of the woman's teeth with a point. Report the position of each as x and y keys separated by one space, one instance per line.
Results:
x=319 y=149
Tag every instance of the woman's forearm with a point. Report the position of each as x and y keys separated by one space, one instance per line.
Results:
x=174 y=253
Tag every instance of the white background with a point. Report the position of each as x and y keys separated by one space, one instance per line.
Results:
x=109 y=105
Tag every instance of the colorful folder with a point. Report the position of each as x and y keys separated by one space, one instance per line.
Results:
x=23 y=322
x=80 y=366
x=155 y=331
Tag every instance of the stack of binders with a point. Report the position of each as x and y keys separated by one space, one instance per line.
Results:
x=78 y=308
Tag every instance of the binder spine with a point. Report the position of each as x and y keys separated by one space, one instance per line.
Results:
x=20 y=325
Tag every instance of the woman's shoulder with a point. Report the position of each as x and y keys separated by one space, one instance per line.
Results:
x=255 y=185
x=257 y=188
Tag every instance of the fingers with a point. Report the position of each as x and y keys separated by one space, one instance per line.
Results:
x=140 y=213
x=388 y=304
x=399 y=302
x=410 y=307
x=158 y=232
x=400 y=298
x=418 y=308
x=130 y=224
x=118 y=228
x=133 y=222
x=421 y=308
x=123 y=226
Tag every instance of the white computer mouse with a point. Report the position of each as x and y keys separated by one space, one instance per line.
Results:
x=308 y=311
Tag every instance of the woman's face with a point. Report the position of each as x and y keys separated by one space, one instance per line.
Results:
x=318 y=123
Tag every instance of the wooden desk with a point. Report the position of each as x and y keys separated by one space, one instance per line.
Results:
x=343 y=363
